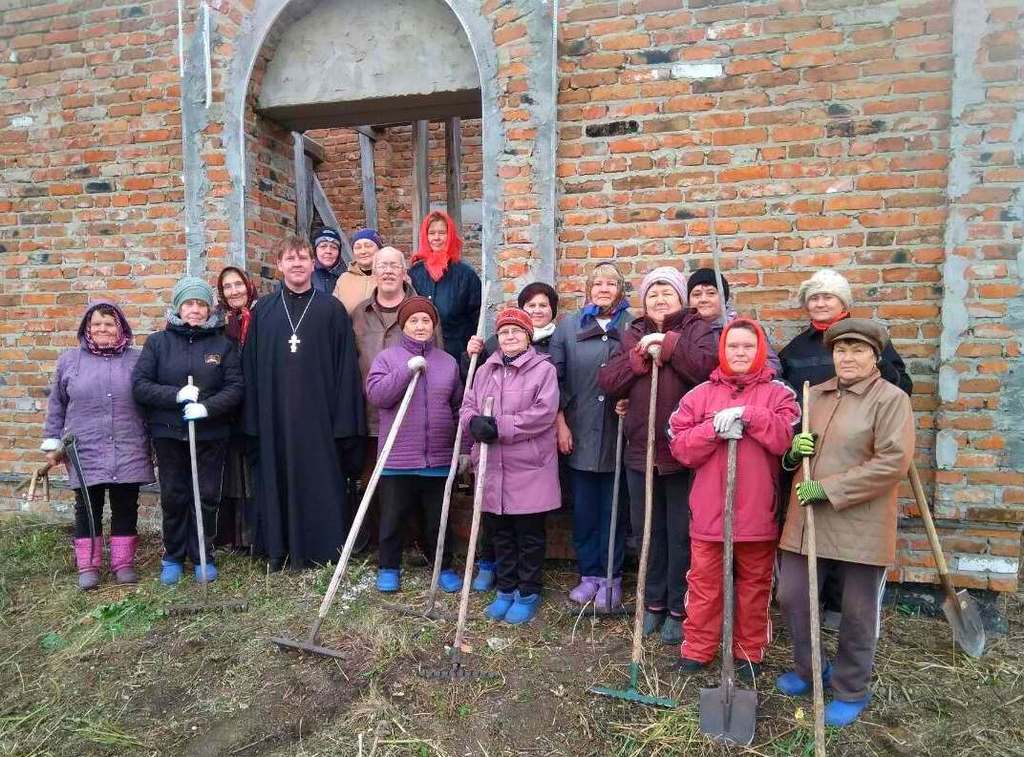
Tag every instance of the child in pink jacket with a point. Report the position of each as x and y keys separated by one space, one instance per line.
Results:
x=741 y=397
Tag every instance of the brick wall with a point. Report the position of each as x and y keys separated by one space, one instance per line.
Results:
x=883 y=138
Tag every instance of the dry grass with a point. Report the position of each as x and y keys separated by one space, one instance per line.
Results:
x=108 y=673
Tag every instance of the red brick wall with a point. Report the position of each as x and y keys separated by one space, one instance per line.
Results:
x=834 y=136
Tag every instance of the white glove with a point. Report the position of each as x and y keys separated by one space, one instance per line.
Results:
x=649 y=340
x=464 y=465
x=194 y=411
x=724 y=418
x=733 y=431
x=417 y=363
x=187 y=393
x=49 y=445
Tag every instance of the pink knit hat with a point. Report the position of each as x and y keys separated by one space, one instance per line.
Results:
x=664 y=275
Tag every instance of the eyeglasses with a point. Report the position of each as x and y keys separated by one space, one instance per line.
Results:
x=389 y=267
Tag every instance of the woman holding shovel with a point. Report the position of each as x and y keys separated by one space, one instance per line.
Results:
x=587 y=428
x=860 y=445
x=742 y=400
x=412 y=481
x=190 y=371
x=91 y=397
x=521 y=481
x=688 y=354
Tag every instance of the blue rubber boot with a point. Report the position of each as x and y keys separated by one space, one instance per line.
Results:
x=523 y=609
x=497 y=609
x=211 y=573
x=170 y=572
x=449 y=581
x=484 y=580
x=792 y=685
x=389 y=580
x=840 y=714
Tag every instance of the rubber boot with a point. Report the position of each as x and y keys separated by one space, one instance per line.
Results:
x=523 y=609
x=672 y=630
x=605 y=602
x=211 y=572
x=792 y=685
x=497 y=609
x=170 y=572
x=122 y=558
x=449 y=581
x=653 y=620
x=839 y=714
x=585 y=590
x=88 y=574
x=484 y=580
x=389 y=580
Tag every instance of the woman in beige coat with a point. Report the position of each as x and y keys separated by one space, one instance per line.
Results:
x=861 y=445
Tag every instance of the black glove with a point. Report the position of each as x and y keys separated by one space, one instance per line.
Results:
x=351 y=454
x=484 y=428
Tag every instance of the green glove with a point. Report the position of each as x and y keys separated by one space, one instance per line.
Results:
x=803 y=446
x=810 y=491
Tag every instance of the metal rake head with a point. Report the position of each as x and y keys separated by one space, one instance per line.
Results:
x=456 y=672
x=235 y=605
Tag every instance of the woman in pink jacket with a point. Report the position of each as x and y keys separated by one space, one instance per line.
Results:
x=521 y=483
x=742 y=400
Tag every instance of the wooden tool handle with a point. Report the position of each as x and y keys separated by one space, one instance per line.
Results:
x=645 y=544
x=812 y=584
x=933 y=536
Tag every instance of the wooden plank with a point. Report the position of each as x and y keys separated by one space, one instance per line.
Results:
x=420 y=188
x=323 y=207
x=453 y=168
x=314 y=149
x=368 y=132
x=303 y=207
x=369 y=180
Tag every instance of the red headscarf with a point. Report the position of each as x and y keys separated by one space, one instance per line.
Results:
x=436 y=263
x=826 y=325
x=237 y=321
x=760 y=357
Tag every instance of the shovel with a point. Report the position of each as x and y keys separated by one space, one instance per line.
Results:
x=728 y=713
x=960 y=608
x=612 y=528
x=812 y=591
x=631 y=694
x=312 y=641
x=204 y=606
x=442 y=531
x=454 y=670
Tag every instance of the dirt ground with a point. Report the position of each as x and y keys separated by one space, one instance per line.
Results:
x=109 y=672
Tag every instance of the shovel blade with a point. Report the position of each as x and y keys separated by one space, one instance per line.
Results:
x=968 y=630
x=730 y=721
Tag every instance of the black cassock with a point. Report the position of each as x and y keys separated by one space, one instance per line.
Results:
x=306 y=410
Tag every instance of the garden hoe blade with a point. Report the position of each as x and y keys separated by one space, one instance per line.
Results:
x=964 y=618
x=728 y=714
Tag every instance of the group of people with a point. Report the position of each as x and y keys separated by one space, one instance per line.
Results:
x=294 y=393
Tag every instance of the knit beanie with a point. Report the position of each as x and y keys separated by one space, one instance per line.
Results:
x=826 y=281
x=515 y=317
x=327 y=234
x=370 y=234
x=191 y=288
x=539 y=287
x=705 y=277
x=664 y=275
x=416 y=305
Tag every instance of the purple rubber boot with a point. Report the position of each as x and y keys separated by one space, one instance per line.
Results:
x=585 y=590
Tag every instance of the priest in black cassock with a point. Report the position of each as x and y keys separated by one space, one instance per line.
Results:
x=304 y=403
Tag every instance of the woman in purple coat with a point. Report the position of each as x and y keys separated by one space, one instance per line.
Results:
x=91 y=398
x=413 y=479
x=521 y=483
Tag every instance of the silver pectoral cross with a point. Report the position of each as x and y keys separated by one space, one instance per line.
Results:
x=293 y=342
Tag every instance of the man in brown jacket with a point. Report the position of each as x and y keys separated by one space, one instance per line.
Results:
x=861 y=445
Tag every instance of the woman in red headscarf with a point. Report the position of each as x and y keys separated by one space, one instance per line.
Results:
x=439 y=274
x=236 y=293
x=741 y=401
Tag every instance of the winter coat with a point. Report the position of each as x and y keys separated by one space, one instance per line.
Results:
x=522 y=465
x=864 y=449
x=427 y=434
x=375 y=330
x=806 y=358
x=91 y=397
x=578 y=352
x=326 y=279
x=457 y=299
x=168 y=358
x=354 y=286
x=770 y=412
x=689 y=354
x=543 y=346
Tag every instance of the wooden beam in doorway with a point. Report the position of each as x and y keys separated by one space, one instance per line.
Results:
x=369 y=179
x=303 y=186
x=420 y=187
x=368 y=132
x=453 y=168
x=314 y=149
x=323 y=207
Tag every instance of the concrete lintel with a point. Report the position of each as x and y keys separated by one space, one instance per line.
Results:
x=324 y=115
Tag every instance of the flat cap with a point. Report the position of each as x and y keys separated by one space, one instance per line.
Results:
x=861 y=329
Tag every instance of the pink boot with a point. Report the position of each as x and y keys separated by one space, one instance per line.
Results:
x=88 y=567
x=585 y=590
x=122 y=558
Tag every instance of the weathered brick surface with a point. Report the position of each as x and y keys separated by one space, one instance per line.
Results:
x=881 y=138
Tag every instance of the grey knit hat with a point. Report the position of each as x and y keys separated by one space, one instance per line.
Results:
x=191 y=288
